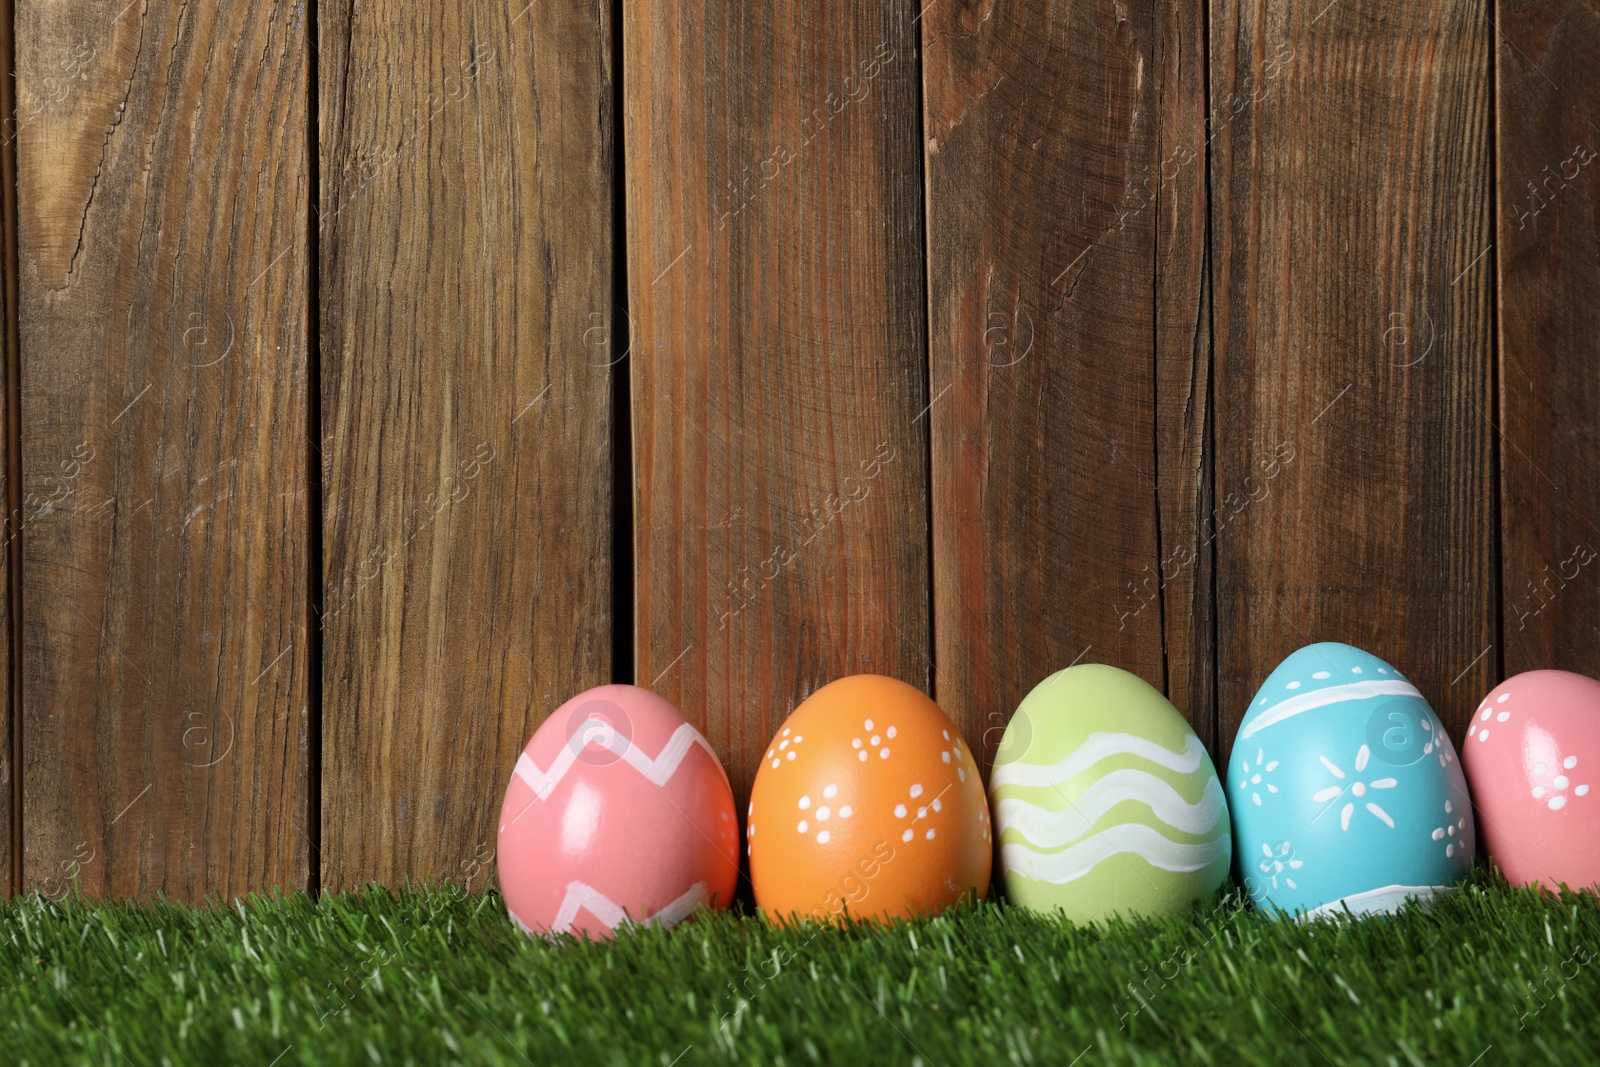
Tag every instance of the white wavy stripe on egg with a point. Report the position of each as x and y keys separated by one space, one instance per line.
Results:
x=1319 y=698
x=1097 y=747
x=1134 y=839
x=1047 y=828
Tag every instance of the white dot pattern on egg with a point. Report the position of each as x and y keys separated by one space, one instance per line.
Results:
x=1553 y=791
x=785 y=750
x=853 y=769
x=821 y=813
x=902 y=811
x=1531 y=770
x=873 y=741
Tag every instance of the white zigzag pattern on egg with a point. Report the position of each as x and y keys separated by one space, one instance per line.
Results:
x=658 y=771
x=1046 y=828
x=581 y=896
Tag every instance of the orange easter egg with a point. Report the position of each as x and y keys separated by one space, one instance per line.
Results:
x=869 y=804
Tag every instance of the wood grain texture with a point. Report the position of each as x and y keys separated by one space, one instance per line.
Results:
x=9 y=349
x=1350 y=176
x=1184 y=415
x=776 y=291
x=466 y=282
x=163 y=170
x=1547 y=110
x=1066 y=226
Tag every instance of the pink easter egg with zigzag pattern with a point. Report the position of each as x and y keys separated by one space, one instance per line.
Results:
x=618 y=811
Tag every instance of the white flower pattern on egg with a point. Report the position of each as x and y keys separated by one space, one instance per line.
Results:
x=1435 y=745
x=1358 y=789
x=1280 y=864
x=1451 y=833
x=1254 y=774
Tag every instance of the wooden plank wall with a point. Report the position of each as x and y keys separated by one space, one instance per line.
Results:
x=383 y=375
x=1069 y=353
x=779 y=406
x=10 y=347
x=163 y=250
x=1547 y=77
x=466 y=288
x=10 y=344
x=1350 y=167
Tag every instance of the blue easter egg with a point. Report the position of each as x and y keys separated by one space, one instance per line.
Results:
x=1345 y=789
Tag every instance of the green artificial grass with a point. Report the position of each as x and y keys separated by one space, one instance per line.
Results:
x=1488 y=976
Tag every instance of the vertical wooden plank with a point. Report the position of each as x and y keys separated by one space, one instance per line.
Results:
x=1350 y=151
x=1184 y=416
x=776 y=290
x=466 y=304
x=10 y=834
x=162 y=169
x=1066 y=223
x=1547 y=110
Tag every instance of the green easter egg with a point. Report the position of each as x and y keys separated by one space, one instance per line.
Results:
x=1105 y=801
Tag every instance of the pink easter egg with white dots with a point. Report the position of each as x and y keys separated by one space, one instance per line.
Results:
x=618 y=811
x=1532 y=760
